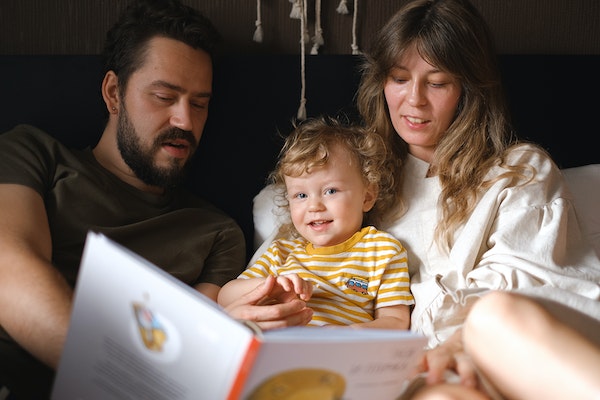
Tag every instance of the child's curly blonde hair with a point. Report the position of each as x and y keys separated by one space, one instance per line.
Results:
x=309 y=145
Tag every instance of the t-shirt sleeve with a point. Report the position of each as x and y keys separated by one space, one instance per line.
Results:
x=27 y=157
x=226 y=259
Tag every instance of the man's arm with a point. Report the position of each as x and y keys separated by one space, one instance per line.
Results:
x=35 y=300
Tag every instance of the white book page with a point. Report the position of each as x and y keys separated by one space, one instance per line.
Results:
x=136 y=332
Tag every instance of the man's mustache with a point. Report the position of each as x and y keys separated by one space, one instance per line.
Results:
x=176 y=133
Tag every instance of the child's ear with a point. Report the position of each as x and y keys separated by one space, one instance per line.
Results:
x=370 y=198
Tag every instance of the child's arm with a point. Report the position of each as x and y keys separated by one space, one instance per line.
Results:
x=284 y=286
x=236 y=288
x=392 y=317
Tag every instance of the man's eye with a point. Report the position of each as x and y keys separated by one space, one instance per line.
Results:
x=200 y=106
x=163 y=98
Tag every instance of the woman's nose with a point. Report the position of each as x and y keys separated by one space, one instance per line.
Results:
x=415 y=95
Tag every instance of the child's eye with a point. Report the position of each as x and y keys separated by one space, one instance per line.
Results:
x=331 y=191
x=300 y=196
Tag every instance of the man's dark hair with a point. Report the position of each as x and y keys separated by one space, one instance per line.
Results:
x=143 y=20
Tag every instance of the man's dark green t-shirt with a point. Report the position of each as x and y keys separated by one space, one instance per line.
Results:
x=181 y=233
x=178 y=231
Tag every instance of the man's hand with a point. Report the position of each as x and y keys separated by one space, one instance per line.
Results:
x=270 y=306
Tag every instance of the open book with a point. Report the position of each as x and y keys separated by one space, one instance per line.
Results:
x=138 y=333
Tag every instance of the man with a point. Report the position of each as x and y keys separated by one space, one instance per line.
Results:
x=157 y=89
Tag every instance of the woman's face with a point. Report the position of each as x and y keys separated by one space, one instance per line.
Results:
x=422 y=102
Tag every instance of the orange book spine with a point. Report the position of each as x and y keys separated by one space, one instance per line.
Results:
x=245 y=368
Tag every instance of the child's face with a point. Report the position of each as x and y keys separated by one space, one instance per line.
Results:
x=327 y=204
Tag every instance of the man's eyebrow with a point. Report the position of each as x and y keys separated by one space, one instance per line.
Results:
x=164 y=84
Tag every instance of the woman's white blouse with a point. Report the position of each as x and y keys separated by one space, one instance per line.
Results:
x=525 y=238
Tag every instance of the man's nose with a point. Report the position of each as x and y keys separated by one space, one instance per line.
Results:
x=182 y=116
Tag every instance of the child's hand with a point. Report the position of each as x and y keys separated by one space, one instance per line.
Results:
x=293 y=283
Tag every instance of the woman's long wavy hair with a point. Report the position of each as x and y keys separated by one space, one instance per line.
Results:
x=309 y=145
x=452 y=36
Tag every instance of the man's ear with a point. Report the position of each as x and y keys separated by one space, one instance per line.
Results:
x=110 y=92
x=370 y=198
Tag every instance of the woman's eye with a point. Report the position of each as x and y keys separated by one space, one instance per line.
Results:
x=397 y=79
x=437 y=85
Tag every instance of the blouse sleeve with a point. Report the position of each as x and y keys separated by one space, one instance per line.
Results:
x=524 y=238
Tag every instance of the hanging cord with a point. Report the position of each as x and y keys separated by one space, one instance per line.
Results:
x=258 y=33
x=318 y=38
x=343 y=9
x=355 y=49
x=302 y=109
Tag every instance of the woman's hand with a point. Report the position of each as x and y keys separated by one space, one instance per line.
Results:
x=449 y=357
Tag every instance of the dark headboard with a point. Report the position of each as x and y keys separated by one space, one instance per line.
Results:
x=554 y=100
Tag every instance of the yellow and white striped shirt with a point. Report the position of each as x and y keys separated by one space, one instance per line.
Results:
x=351 y=279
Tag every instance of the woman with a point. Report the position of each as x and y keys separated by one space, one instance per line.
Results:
x=477 y=210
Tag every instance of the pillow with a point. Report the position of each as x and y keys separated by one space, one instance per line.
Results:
x=584 y=183
x=264 y=215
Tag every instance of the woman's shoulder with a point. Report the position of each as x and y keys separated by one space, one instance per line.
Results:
x=528 y=152
x=533 y=157
x=528 y=172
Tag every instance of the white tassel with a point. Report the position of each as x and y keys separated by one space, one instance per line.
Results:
x=258 y=33
x=301 y=115
x=315 y=49
x=342 y=7
x=302 y=110
x=318 y=38
x=296 y=12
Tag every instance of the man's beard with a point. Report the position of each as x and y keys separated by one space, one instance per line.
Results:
x=141 y=161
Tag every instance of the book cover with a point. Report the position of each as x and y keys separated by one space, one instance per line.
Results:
x=136 y=332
